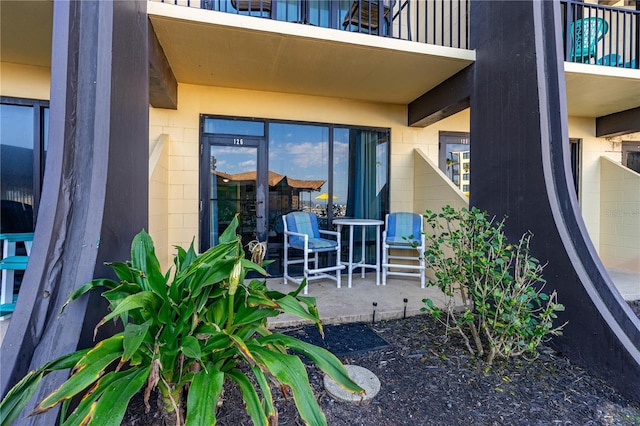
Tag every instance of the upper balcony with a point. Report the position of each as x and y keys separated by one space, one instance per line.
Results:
x=601 y=35
x=378 y=50
x=602 y=52
x=365 y=50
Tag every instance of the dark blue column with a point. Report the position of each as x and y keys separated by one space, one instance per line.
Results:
x=521 y=169
x=94 y=197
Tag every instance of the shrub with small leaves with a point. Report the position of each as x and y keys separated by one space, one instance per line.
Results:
x=186 y=336
x=493 y=288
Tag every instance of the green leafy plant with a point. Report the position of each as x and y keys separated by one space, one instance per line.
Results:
x=186 y=335
x=493 y=288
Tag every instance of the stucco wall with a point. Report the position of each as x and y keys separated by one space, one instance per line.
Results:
x=619 y=216
x=591 y=150
x=433 y=190
x=24 y=81
x=159 y=199
x=403 y=177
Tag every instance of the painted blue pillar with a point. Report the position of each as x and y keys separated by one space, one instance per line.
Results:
x=95 y=192
x=521 y=169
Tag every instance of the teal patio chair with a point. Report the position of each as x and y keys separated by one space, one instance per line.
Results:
x=10 y=263
x=585 y=34
x=403 y=246
x=301 y=233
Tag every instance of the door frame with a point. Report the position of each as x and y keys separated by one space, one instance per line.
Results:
x=262 y=181
x=575 y=158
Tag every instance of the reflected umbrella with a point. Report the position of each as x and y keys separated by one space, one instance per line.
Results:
x=325 y=196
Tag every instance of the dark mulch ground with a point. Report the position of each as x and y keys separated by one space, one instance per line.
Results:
x=427 y=381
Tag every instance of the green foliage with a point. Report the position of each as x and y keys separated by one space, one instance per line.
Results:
x=186 y=335
x=498 y=285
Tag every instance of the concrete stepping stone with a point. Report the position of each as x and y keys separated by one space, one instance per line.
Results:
x=363 y=377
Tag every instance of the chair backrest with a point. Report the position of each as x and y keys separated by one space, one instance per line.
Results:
x=252 y=5
x=402 y=225
x=303 y=223
x=368 y=12
x=586 y=33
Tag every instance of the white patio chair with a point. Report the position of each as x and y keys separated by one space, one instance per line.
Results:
x=301 y=233
x=403 y=246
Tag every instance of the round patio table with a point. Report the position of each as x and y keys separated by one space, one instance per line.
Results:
x=362 y=264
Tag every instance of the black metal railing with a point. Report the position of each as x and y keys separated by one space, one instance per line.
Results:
x=594 y=34
x=439 y=22
x=601 y=35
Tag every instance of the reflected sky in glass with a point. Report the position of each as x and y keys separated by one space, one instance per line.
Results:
x=299 y=151
x=234 y=159
x=16 y=126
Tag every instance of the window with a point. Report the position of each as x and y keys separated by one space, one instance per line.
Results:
x=455 y=158
x=263 y=169
x=23 y=148
x=631 y=155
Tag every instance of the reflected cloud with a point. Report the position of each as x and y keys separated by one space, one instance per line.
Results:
x=247 y=165
x=302 y=155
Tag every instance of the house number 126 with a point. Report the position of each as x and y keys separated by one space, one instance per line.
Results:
x=239 y=141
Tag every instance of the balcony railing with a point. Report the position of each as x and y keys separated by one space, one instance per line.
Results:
x=439 y=22
x=601 y=35
x=592 y=34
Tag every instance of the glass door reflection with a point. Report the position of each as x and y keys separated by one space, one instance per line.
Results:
x=233 y=182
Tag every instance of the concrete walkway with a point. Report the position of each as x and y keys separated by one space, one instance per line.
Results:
x=627 y=282
x=355 y=304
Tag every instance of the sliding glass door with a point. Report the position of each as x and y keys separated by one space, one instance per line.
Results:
x=23 y=149
x=233 y=183
x=264 y=169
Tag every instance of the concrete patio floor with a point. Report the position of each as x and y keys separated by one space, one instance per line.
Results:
x=355 y=304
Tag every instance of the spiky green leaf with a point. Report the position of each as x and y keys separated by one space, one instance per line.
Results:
x=88 y=369
x=203 y=396
x=324 y=359
x=251 y=400
x=134 y=335
x=288 y=369
x=146 y=300
x=16 y=399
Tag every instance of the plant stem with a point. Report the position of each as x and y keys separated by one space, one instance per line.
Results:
x=230 y=312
